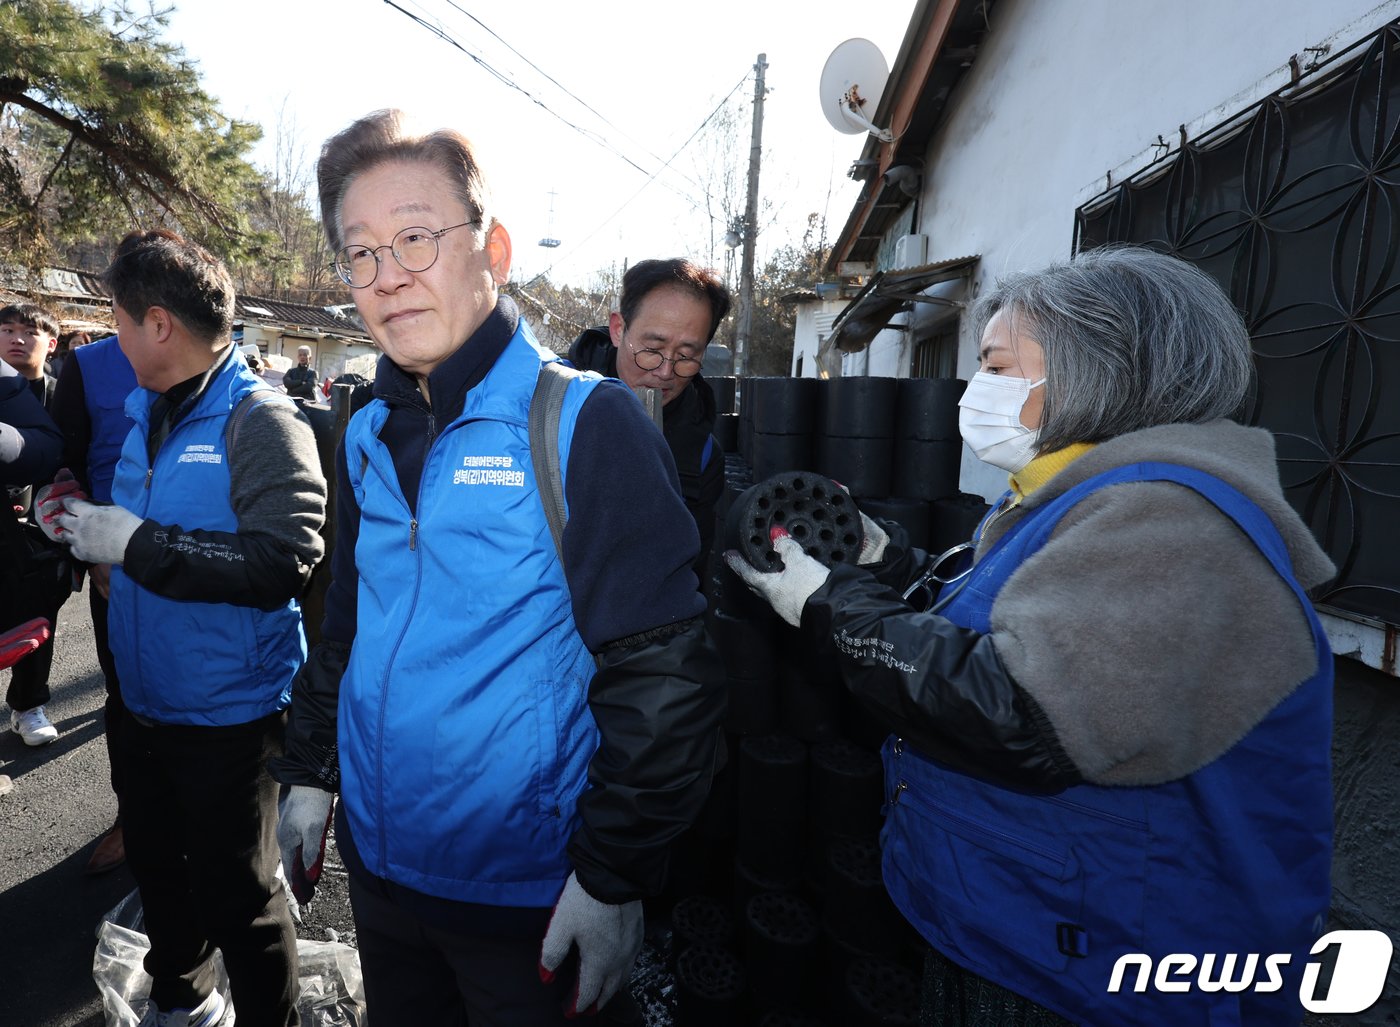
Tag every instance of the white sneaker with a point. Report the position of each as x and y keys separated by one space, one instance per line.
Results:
x=33 y=726
x=207 y=1014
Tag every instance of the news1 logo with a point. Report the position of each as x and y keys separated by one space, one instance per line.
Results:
x=1358 y=963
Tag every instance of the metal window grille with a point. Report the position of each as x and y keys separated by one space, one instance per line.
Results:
x=1294 y=207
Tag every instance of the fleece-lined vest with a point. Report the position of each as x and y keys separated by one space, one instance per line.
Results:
x=183 y=662
x=1043 y=894
x=107 y=381
x=464 y=727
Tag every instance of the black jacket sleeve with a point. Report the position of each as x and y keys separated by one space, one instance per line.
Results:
x=30 y=444
x=310 y=756
x=658 y=705
x=69 y=411
x=941 y=687
x=658 y=694
x=279 y=496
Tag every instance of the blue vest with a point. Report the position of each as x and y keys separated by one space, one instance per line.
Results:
x=183 y=662
x=464 y=727
x=107 y=380
x=1043 y=894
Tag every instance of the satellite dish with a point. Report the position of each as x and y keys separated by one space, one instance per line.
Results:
x=852 y=83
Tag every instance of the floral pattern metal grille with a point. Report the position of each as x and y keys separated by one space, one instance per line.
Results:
x=1294 y=207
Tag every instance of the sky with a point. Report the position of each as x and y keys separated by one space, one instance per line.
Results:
x=641 y=75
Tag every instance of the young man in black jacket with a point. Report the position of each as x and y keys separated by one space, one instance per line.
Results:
x=28 y=335
x=30 y=445
x=668 y=313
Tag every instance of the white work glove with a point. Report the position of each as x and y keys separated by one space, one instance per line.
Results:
x=872 y=548
x=608 y=939
x=48 y=502
x=303 y=821
x=787 y=590
x=97 y=533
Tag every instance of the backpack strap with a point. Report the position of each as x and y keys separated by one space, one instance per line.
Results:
x=546 y=407
x=240 y=414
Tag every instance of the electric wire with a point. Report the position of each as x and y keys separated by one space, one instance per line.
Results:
x=445 y=36
x=439 y=31
x=569 y=92
x=627 y=202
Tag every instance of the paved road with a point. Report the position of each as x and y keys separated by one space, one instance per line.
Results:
x=61 y=802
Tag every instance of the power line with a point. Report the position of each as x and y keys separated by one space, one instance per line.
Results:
x=626 y=203
x=441 y=33
x=567 y=91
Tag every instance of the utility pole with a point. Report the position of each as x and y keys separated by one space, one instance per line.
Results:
x=741 y=335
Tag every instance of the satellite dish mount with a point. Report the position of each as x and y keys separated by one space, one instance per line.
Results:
x=852 y=83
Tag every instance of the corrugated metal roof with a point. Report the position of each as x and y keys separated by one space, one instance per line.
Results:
x=885 y=295
x=261 y=310
x=70 y=283
x=76 y=286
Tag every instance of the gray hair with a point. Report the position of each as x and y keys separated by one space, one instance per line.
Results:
x=384 y=136
x=304 y=349
x=1132 y=338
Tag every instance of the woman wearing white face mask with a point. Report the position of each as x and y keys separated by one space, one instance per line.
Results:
x=1112 y=735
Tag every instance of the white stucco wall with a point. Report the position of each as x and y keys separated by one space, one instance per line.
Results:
x=804 y=339
x=330 y=355
x=1062 y=93
x=811 y=326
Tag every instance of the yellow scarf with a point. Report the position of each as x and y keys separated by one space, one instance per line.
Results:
x=1043 y=468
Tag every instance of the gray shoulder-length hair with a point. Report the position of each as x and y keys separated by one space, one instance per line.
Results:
x=1132 y=338
x=384 y=136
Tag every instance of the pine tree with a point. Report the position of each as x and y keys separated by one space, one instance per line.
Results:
x=105 y=128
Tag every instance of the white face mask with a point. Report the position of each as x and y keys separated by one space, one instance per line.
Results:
x=989 y=418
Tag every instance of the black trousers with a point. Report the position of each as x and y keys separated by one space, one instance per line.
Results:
x=417 y=973
x=115 y=710
x=199 y=818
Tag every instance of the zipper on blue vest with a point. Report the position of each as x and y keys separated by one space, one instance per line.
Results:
x=427 y=453
x=398 y=642
x=384 y=705
x=897 y=750
x=149 y=472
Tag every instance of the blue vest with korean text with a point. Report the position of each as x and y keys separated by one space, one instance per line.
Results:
x=1043 y=894
x=179 y=661
x=464 y=728
x=107 y=380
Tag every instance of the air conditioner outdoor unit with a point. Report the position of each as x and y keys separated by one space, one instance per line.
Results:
x=910 y=250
